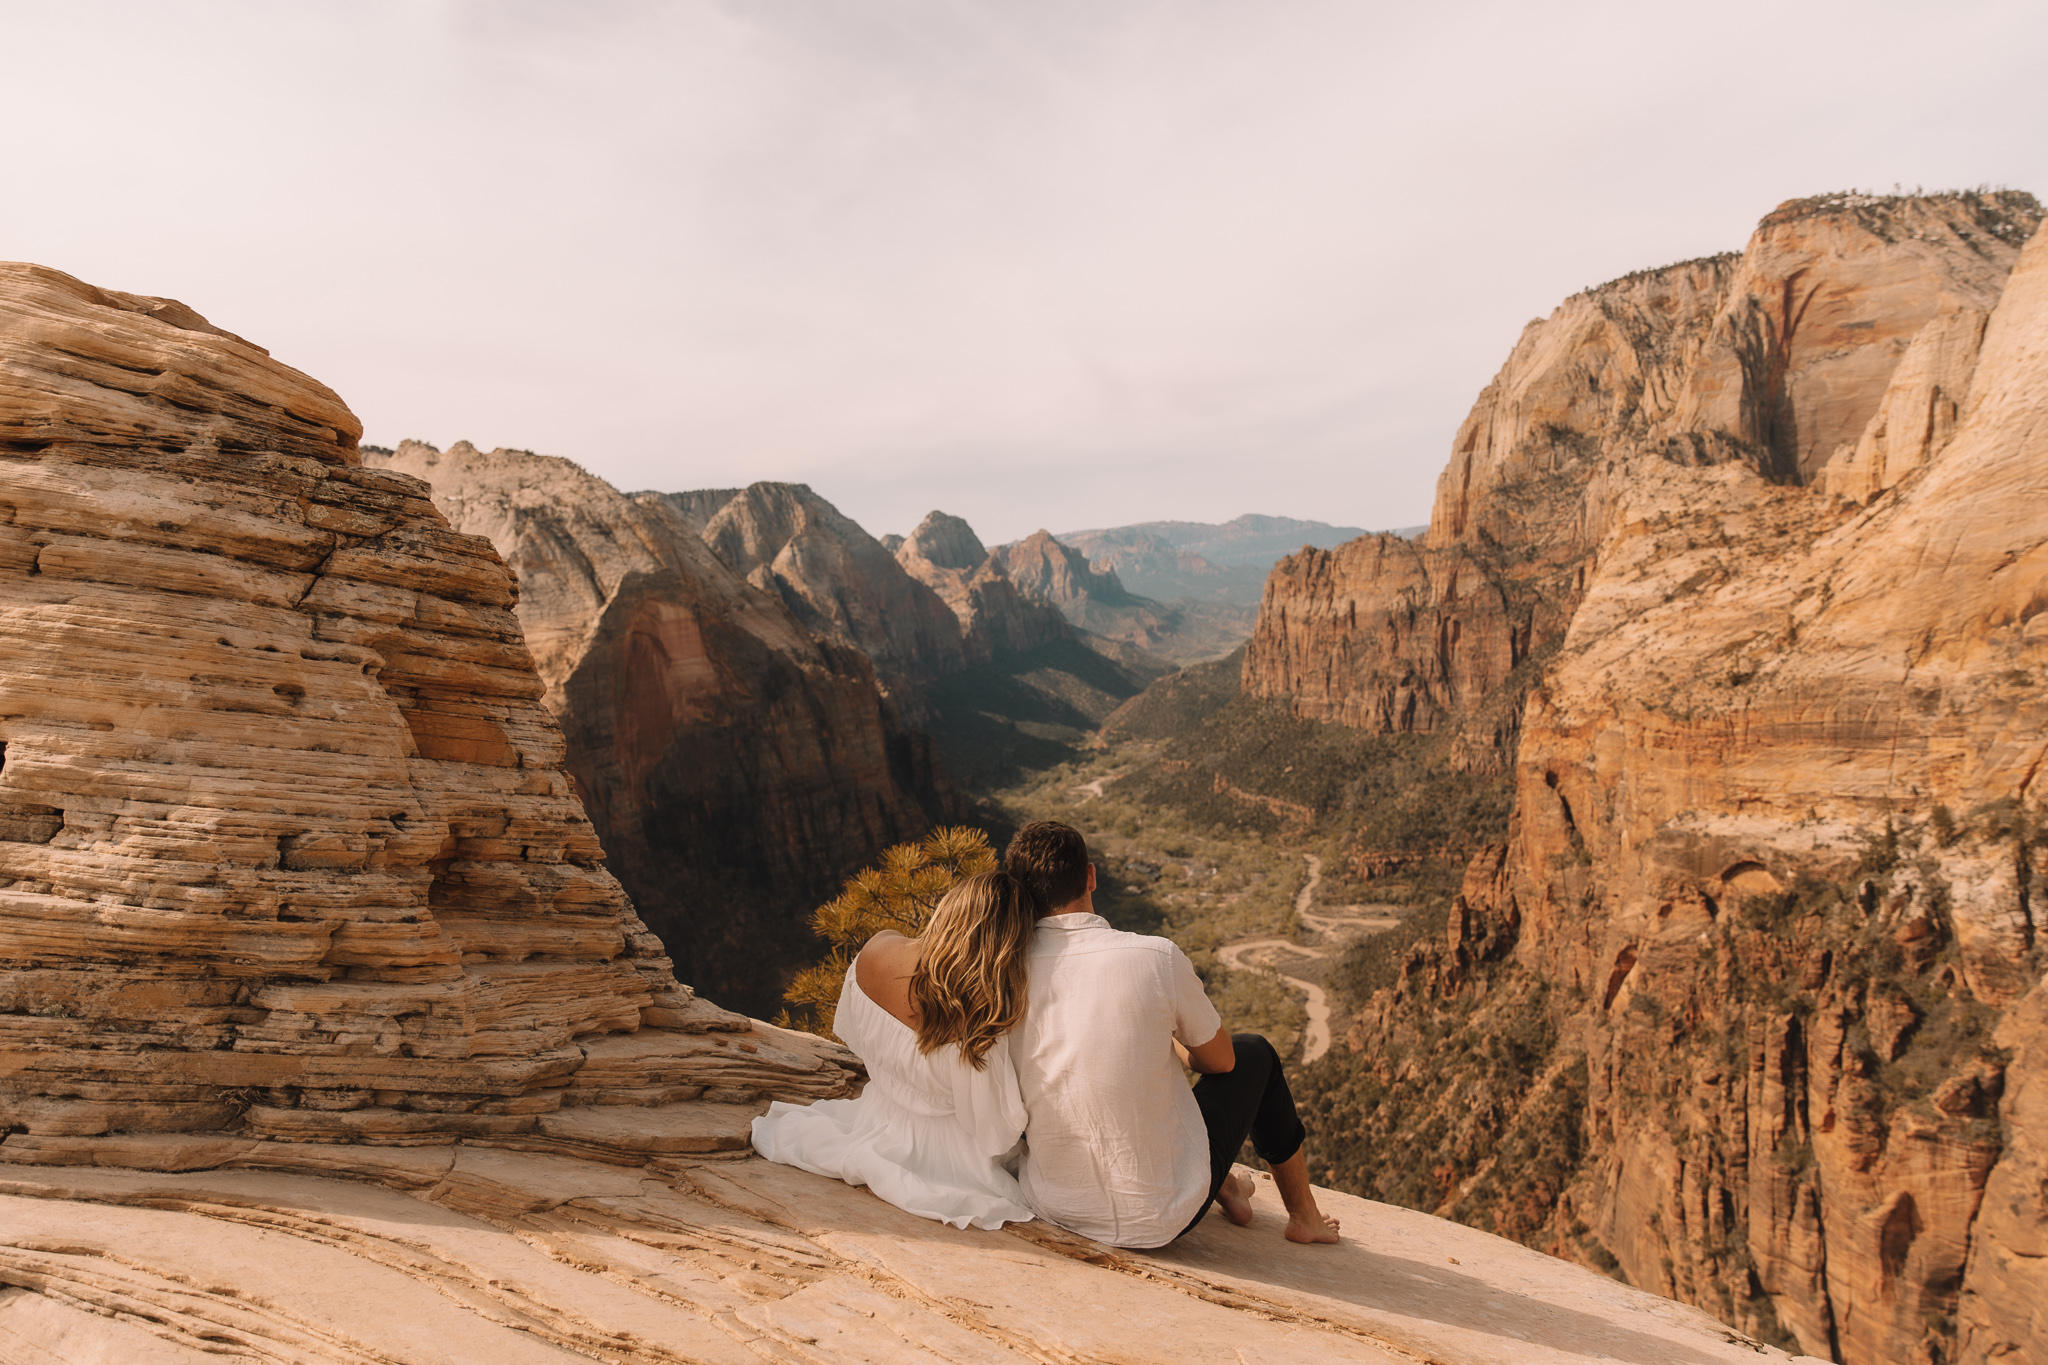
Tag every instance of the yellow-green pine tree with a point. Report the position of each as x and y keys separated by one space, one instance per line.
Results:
x=900 y=893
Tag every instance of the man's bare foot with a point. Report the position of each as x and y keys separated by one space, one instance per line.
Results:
x=1236 y=1198
x=1305 y=1222
x=1314 y=1228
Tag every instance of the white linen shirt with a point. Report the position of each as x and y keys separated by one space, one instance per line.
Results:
x=1114 y=1143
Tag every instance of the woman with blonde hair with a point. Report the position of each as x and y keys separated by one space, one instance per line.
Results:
x=931 y=1017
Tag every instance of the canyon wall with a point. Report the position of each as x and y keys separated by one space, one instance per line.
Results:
x=287 y=845
x=1765 y=924
x=736 y=765
x=1775 y=360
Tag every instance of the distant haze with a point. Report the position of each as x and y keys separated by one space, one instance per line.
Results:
x=1040 y=264
x=1204 y=561
x=1250 y=539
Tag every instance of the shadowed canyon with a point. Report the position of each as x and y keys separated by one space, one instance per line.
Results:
x=1637 y=862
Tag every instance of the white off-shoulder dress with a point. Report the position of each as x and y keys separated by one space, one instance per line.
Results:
x=929 y=1133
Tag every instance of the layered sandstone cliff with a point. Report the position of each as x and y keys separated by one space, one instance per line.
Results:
x=1761 y=703
x=1777 y=361
x=288 y=850
x=1765 y=927
x=736 y=766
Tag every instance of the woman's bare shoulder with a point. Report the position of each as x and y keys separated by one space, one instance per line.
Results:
x=884 y=967
x=887 y=954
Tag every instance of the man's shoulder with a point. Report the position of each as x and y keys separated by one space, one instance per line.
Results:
x=1102 y=938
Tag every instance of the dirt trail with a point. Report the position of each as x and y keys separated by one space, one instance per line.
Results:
x=1335 y=927
x=1090 y=790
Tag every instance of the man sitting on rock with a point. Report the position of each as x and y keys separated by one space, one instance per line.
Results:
x=1117 y=1146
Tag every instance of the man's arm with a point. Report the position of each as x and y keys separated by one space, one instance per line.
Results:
x=1211 y=1058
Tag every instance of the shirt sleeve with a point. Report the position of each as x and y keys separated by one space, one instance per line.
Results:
x=1195 y=1020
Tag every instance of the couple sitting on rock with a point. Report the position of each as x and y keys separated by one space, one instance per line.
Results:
x=1020 y=1033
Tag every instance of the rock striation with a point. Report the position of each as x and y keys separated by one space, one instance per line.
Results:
x=736 y=766
x=437 y=1256
x=1776 y=360
x=287 y=845
x=1764 y=928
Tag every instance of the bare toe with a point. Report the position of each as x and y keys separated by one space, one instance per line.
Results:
x=1315 y=1229
x=1236 y=1198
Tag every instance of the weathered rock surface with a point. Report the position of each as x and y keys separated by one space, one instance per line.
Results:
x=288 y=847
x=462 y=1254
x=1769 y=881
x=1777 y=360
x=736 y=766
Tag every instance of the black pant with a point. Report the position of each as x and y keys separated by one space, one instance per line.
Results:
x=1250 y=1099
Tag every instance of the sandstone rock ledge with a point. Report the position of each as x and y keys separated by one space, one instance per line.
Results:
x=460 y=1254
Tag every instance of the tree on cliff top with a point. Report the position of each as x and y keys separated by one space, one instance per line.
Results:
x=899 y=893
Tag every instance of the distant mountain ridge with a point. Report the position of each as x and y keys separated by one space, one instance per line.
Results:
x=1249 y=539
x=1203 y=561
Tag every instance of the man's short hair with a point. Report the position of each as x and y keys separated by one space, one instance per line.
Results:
x=1051 y=859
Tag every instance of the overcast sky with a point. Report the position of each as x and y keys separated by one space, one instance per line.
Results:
x=1035 y=262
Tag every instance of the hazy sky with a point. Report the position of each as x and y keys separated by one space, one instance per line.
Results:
x=1036 y=262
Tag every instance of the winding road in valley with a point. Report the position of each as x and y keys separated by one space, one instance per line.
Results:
x=1333 y=928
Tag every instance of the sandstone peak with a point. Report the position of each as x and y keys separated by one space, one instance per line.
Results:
x=1052 y=571
x=945 y=555
x=947 y=541
x=1774 y=363
x=837 y=579
x=2010 y=216
x=97 y=367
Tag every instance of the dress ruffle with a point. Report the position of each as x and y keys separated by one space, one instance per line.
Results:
x=929 y=1133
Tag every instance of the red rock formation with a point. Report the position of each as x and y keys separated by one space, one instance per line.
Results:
x=737 y=767
x=286 y=842
x=1769 y=873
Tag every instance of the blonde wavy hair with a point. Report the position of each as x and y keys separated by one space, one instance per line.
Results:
x=968 y=986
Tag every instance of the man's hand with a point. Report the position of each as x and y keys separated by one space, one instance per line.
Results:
x=1211 y=1058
